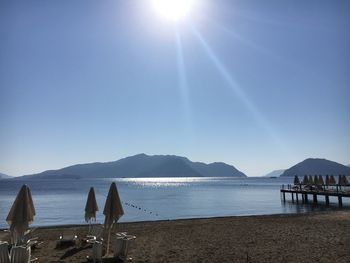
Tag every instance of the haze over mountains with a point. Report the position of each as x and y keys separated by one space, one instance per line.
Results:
x=275 y=173
x=317 y=166
x=4 y=176
x=143 y=165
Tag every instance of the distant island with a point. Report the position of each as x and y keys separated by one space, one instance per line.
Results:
x=142 y=165
x=313 y=166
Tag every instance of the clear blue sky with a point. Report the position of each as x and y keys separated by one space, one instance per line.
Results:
x=260 y=85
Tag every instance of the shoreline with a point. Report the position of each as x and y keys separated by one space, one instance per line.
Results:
x=193 y=218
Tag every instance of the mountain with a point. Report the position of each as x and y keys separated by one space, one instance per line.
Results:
x=143 y=165
x=4 y=176
x=275 y=173
x=317 y=166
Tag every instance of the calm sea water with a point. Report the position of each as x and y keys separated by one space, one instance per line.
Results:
x=60 y=202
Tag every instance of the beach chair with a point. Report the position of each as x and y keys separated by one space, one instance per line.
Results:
x=95 y=234
x=67 y=240
x=21 y=254
x=122 y=243
x=4 y=252
x=28 y=240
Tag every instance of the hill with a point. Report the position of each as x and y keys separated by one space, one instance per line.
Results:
x=317 y=166
x=4 y=176
x=143 y=165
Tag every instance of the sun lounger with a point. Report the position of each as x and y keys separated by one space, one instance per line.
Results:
x=95 y=234
x=4 y=252
x=21 y=254
x=28 y=240
x=67 y=240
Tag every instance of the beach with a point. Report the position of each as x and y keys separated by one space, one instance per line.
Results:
x=312 y=237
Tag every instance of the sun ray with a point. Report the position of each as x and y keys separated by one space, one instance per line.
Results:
x=237 y=89
x=183 y=83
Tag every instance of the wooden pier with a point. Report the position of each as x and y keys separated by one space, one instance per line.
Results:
x=303 y=192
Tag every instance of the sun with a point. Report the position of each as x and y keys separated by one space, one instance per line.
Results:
x=173 y=10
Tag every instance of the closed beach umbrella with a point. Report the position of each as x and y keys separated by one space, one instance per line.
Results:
x=21 y=214
x=340 y=180
x=327 y=179
x=91 y=206
x=320 y=180
x=344 y=180
x=296 y=180
x=332 y=180
x=113 y=210
x=316 y=180
x=306 y=180
x=311 y=181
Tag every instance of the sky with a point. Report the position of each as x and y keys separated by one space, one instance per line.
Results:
x=261 y=85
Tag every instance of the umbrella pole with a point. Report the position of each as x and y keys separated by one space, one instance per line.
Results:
x=109 y=237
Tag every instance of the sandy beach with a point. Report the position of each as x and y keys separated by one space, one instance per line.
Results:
x=319 y=237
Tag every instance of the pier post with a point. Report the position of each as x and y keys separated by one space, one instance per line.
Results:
x=284 y=196
x=340 y=201
x=315 y=198
x=293 y=197
x=297 y=197
x=302 y=198
x=327 y=200
x=306 y=200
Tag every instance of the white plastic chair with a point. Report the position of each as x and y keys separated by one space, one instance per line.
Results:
x=21 y=254
x=97 y=251
x=4 y=252
x=122 y=243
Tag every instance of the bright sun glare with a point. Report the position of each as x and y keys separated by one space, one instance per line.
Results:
x=173 y=10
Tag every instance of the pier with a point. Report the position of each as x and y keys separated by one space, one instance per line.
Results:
x=303 y=192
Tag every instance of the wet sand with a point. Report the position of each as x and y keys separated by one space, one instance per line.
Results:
x=319 y=237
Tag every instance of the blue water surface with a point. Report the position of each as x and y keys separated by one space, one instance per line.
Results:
x=60 y=202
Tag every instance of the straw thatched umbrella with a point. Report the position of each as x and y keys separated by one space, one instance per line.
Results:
x=320 y=180
x=91 y=207
x=113 y=210
x=344 y=180
x=332 y=180
x=306 y=180
x=296 y=180
x=21 y=214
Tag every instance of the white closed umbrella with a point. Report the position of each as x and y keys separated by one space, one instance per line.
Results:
x=113 y=210
x=91 y=207
x=21 y=214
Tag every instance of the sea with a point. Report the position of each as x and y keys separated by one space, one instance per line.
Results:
x=62 y=202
